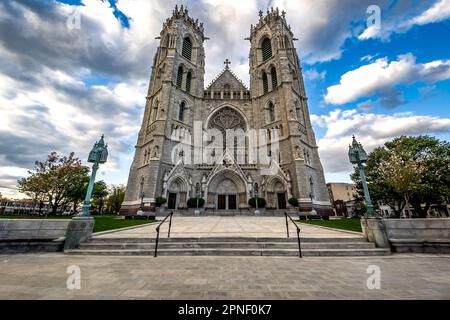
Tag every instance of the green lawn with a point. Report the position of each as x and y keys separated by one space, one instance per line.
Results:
x=102 y=223
x=345 y=224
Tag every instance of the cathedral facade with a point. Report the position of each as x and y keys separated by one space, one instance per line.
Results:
x=226 y=143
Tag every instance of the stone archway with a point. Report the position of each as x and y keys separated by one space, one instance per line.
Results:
x=226 y=191
x=177 y=193
x=276 y=194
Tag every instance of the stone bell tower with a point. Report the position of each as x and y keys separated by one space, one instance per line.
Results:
x=279 y=102
x=174 y=99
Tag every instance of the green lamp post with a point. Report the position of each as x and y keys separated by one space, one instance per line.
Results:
x=357 y=155
x=98 y=155
x=256 y=195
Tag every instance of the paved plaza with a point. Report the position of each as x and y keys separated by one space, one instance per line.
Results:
x=402 y=276
x=237 y=226
x=43 y=276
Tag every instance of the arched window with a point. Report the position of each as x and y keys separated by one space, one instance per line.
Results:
x=187 y=48
x=273 y=73
x=181 y=111
x=265 y=83
x=179 y=76
x=271 y=109
x=188 y=81
x=266 y=49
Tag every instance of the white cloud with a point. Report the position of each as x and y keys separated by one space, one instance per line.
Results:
x=404 y=19
x=313 y=74
x=365 y=105
x=371 y=130
x=381 y=77
x=438 y=12
x=323 y=26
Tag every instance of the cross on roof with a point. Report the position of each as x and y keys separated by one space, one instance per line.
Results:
x=226 y=63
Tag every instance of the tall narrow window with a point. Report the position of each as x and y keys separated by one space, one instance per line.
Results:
x=273 y=73
x=187 y=48
x=266 y=49
x=271 y=112
x=188 y=81
x=265 y=83
x=181 y=111
x=179 y=76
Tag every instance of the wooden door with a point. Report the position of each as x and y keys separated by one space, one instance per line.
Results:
x=281 y=201
x=171 y=204
x=221 y=201
x=232 y=202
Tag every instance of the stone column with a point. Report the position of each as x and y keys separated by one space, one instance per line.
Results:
x=374 y=230
x=79 y=230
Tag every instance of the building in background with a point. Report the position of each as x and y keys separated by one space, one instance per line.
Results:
x=342 y=197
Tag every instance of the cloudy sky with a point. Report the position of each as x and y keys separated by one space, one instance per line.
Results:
x=71 y=70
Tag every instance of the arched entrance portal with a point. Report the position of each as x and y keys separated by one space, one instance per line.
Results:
x=176 y=193
x=226 y=191
x=276 y=194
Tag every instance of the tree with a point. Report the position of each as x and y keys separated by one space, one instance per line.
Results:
x=404 y=176
x=115 y=199
x=78 y=191
x=378 y=188
x=53 y=180
x=99 y=195
x=413 y=170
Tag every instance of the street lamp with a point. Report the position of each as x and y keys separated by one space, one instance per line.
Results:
x=358 y=156
x=311 y=196
x=98 y=155
x=256 y=195
x=141 y=208
x=198 y=194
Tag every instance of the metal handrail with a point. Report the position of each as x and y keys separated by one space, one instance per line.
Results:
x=298 y=232
x=157 y=231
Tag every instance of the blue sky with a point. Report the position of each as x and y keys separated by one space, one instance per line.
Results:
x=63 y=84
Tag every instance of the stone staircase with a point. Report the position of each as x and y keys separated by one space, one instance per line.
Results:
x=229 y=246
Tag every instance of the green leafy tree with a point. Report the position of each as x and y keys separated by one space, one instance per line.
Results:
x=115 y=198
x=99 y=195
x=54 y=179
x=403 y=176
x=379 y=189
x=413 y=170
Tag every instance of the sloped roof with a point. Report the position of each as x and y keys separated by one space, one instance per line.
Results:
x=227 y=77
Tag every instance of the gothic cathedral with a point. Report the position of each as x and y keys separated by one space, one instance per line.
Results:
x=184 y=149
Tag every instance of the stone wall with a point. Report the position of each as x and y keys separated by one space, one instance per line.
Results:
x=32 y=229
x=419 y=235
x=32 y=235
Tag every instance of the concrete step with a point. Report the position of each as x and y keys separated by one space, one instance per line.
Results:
x=227 y=245
x=234 y=252
x=164 y=239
